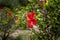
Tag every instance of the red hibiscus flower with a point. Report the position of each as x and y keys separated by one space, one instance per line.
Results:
x=9 y=14
x=29 y=23
x=30 y=19
x=31 y=15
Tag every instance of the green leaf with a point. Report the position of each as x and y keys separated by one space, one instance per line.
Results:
x=58 y=38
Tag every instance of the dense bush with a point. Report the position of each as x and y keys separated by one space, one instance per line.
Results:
x=47 y=16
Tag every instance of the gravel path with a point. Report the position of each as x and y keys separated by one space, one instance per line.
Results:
x=20 y=32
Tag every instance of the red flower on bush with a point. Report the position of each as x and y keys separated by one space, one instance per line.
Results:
x=30 y=19
x=31 y=15
x=31 y=23
x=9 y=14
